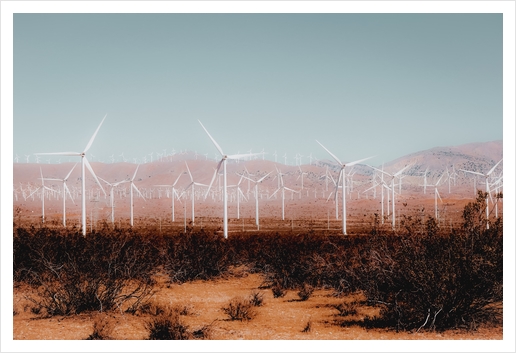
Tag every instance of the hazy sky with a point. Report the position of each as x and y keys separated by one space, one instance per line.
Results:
x=361 y=84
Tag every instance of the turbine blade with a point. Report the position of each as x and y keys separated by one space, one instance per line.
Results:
x=380 y=170
x=211 y=138
x=107 y=182
x=141 y=195
x=76 y=154
x=69 y=193
x=68 y=175
x=439 y=180
x=472 y=172
x=327 y=150
x=262 y=178
x=491 y=197
x=243 y=176
x=95 y=134
x=437 y=192
x=274 y=193
x=213 y=178
x=189 y=173
x=240 y=156
x=359 y=161
x=39 y=187
x=120 y=182
x=136 y=171
x=492 y=169
x=93 y=173
x=401 y=170
x=179 y=176
x=241 y=193
x=337 y=186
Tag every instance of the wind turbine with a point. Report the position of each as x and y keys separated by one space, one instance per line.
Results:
x=343 y=177
x=42 y=187
x=131 y=193
x=238 y=194
x=192 y=185
x=282 y=187
x=488 y=191
x=436 y=194
x=174 y=194
x=223 y=164
x=393 y=176
x=65 y=190
x=112 y=196
x=256 y=182
x=301 y=175
x=84 y=164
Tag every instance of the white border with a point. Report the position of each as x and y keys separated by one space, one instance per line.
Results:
x=8 y=8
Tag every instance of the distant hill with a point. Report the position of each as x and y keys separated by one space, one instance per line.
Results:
x=479 y=157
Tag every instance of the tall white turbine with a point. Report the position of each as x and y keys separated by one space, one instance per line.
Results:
x=256 y=182
x=131 y=193
x=84 y=164
x=343 y=178
x=488 y=191
x=223 y=164
x=65 y=190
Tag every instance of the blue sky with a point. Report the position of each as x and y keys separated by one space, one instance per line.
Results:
x=361 y=84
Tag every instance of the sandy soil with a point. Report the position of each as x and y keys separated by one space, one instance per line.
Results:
x=277 y=319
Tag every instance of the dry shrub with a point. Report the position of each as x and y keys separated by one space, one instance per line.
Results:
x=256 y=298
x=240 y=309
x=348 y=308
x=278 y=291
x=306 y=292
x=185 y=310
x=151 y=308
x=204 y=333
x=308 y=326
x=75 y=274
x=167 y=326
x=102 y=329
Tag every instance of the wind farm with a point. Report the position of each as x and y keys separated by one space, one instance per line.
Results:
x=274 y=188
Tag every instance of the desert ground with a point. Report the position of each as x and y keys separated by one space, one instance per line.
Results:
x=277 y=319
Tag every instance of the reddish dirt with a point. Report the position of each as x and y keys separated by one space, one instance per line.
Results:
x=277 y=319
